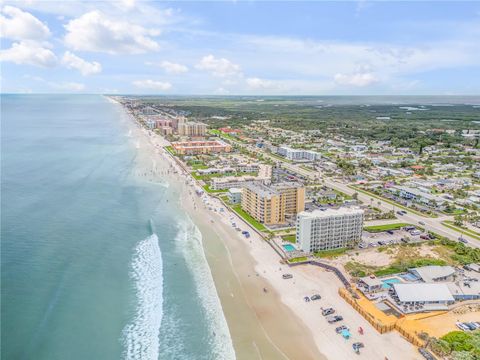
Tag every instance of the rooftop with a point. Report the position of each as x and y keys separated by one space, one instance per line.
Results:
x=433 y=272
x=261 y=189
x=423 y=292
x=331 y=212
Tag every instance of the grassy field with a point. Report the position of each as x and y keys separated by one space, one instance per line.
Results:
x=223 y=135
x=211 y=191
x=385 y=227
x=289 y=238
x=331 y=253
x=468 y=232
x=298 y=259
x=170 y=150
x=390 y=201
x=257 y=225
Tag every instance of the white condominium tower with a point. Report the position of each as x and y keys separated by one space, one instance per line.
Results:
x=329 y=229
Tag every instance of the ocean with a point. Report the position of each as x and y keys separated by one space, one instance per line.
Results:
x=98 y=260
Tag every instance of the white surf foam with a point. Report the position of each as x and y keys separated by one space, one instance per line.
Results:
x=141 y=335
x=189 y=242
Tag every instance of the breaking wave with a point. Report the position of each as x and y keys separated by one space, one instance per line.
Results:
x=141 y=336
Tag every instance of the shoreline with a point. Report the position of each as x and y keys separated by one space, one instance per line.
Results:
x=276 y=324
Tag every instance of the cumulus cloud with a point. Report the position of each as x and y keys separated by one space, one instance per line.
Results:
x=257 y=83
x=152 y=84
x=30 y=53
x=21 y=25
x=357 y=79
x=173 y=68
x=170 y=67
x=72 y=61
x=95 y=32
x=220 y=67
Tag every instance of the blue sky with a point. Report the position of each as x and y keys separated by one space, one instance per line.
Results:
x=241 y=47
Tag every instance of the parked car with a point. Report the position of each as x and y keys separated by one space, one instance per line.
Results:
x=400 y=212
x=462 y=326
x=287 y=276
x=471 y=326
x=362 y=245
x=328 y=311
x=404 y=240
x=421 y=223
x=357 y=346
x=426 y=354
x=334 y=318
x=390 y=232
x=381 y=242
x=461 y=239
x=339 y=329
x=315 y=297
x=424 y=237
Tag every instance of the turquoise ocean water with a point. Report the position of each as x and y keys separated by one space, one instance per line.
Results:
x=83 y=276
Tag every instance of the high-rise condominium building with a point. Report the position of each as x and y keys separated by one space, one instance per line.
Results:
x=193 y=129
x=330 y=229
x=271 y=204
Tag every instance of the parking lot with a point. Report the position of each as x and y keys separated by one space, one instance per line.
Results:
x=391 y=237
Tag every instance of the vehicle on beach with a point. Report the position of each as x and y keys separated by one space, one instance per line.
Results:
x=339 y=329
x=287 y=276
x=315 y=297
x=328 y=311
x=306 y=299
x=334 y=318
x=357 y=346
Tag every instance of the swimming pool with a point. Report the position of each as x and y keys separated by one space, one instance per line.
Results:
x=387 y=283
x=289 y=247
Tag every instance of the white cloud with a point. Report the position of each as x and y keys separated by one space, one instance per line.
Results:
x=152 y=84
x=221 y=91
x=72 y=61
x=257 y=83
x=21 y=25
x=170 y=67
x=95 y=32
x=357 y=79
x=68 y=86
x=30 y=53
x=220 y=67
x=323 y=60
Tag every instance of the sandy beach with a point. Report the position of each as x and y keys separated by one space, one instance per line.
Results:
x=276 y=323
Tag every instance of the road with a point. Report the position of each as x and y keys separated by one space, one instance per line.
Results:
x=430 y=224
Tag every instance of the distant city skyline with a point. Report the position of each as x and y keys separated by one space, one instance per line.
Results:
x=241 y=47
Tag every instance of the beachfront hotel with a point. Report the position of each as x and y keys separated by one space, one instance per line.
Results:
x=200 y=147
x=329 y=229
x=272 y=204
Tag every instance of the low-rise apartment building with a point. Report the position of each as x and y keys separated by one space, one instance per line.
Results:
x=200 y=147
x=329 y=229
x=298 y=154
